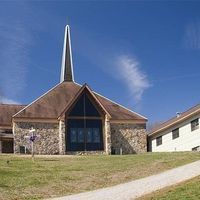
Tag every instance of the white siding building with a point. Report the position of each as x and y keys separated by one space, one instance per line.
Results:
x=181 y=133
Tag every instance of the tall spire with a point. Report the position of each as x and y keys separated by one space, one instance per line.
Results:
x=67 y=65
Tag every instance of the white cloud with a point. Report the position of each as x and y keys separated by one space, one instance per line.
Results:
x=192 y=35
x=111 y=59
x=132 y=75
x=5 y=100
x=14 y=58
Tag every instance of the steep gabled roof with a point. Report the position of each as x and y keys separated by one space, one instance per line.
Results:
x=6 y=113
x=175 y=120
x=117 y=111
x=52 y=104
x=83 y=89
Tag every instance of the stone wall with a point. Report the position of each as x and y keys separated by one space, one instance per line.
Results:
x=47 y=141
x=107 y=138
x=51 y=137
x=131 y=138
x=62 y=142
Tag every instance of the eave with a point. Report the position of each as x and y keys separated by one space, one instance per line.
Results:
x=178 y=121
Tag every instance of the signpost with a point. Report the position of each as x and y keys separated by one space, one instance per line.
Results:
x=32 y=139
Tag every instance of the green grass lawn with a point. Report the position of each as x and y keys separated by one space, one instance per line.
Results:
x=57 y=176
x=189 y=190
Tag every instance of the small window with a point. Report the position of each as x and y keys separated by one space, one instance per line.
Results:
x=175 y=133
x=159 y=140
x=194 y=124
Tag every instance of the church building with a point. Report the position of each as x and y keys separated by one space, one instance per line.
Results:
x=71 y=118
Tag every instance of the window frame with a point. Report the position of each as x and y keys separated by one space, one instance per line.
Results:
x=194 y=124
x=175 y=134
x=159 y=140
x=76 y=137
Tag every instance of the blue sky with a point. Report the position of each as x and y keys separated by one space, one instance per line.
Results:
x=143 y=55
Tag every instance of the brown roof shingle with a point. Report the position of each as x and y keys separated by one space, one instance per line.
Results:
x=51 y=104
x=117 y=111
x=6 y=113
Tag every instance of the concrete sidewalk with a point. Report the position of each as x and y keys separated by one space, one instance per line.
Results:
x=140 y=187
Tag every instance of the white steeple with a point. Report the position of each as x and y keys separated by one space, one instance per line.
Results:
x=67 y=64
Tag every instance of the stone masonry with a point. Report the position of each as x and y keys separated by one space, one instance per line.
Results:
x=62 y=139
x=107 y=138
x=131 y=138
x=47 y=141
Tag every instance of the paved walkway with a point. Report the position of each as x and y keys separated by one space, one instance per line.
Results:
x=140 y=187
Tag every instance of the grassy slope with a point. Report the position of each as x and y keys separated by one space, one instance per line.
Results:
x=49 y=176
x=189 y=190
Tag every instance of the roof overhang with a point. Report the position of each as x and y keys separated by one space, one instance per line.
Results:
x=5 y=126
x=124 y=121
x=41 y=120
x=179 y=120
x=6 y=136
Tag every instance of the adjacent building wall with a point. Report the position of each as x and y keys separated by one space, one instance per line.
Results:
x=131 y=138
x=47 y=141
x=6 y=139
x=185 y=142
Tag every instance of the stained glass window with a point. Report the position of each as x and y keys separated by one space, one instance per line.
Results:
x=80 y=135
x=84 y=104
x=89 y=135
x=96 y=135
x=73 y=135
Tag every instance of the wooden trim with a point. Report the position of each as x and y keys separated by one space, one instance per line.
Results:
x=116 y=103
x=35 y=120
x=97 y=100
x=4 y=135
x=81 y=117
x=73 y=102
x=128 y=121
x=5 y=127
x=98 y=108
